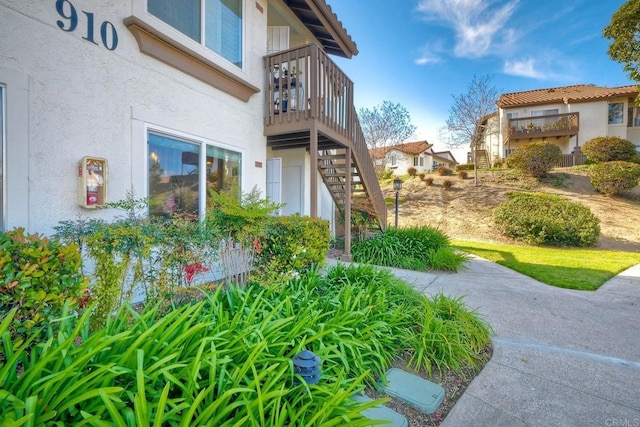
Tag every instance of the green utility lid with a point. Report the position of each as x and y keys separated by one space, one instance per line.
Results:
x=381 y=412
x=417 y=392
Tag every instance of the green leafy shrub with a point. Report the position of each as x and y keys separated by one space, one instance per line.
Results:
x=614 y=177
x=39 y=278
x=429 y=181
x=226 y=360
x=545 y=219
x=465 y=167
x=535 y=159
x=498 y=164
x=447 y=184
x=463 y=174
x=415 y=248
x=386 y=174
x=412 y=171
x=609 y=148
x=291 y=245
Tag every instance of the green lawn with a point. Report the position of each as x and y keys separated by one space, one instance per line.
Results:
x=582 y=269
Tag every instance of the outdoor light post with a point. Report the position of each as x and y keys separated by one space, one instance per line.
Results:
x=397 y=186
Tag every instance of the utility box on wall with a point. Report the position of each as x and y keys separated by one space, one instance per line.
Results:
x=92 y=182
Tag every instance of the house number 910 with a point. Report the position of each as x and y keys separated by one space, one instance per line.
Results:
x=108 y=33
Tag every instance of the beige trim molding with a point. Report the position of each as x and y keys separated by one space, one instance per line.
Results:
x=157 y=45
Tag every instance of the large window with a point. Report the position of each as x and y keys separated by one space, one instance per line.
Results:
x=216 y=24
x=177 y=168
x=616 y=113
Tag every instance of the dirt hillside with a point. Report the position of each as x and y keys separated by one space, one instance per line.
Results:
x=466 y=211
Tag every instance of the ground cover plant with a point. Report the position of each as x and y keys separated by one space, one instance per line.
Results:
x=546 y=219
x=415 y=248
x=226 y=360
x=581 y=269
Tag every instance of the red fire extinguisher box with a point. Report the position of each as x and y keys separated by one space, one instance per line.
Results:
x=92 y=182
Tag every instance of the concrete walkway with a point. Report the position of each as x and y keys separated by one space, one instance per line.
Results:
x=560 y=357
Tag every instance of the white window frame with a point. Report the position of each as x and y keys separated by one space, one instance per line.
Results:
x=202 y=181
x=140 y=11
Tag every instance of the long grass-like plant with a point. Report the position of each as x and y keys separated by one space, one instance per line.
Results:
x=227 y=359
x=414 y=248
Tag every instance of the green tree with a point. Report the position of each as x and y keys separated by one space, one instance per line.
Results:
x=624 y=30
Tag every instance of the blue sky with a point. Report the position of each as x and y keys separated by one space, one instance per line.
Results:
x=421 y=52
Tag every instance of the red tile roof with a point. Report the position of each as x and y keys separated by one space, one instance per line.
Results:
x=565 y=94
x=413 y=148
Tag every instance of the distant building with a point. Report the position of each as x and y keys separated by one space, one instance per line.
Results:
x=567 y=116
x=419 y=154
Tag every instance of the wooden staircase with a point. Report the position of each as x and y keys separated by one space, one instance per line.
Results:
x=483 y=160
x=333 y=166
x=324 y=120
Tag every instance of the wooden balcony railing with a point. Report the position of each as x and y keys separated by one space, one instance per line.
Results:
x=567 y=124
x=304 y=83
x=306 y=90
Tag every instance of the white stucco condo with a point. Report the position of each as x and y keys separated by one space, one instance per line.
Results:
x=175 y=98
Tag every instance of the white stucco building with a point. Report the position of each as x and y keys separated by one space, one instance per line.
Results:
x=178 y=100
x=419 y=155
x=567 y=116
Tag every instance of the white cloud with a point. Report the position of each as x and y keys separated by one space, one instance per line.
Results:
x=431 y=53
x=478 y=26
x=547 y=65
x=523 y=68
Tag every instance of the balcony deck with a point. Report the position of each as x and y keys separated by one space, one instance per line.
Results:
x=552 y=125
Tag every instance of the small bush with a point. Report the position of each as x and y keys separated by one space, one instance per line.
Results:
x=386 y=174
x=535 y=159
x=39 y=278
x=444 y=171
x=292 y=244
x=465 y=167
x=417 y=248
x=498 y=163
x=422 y=175
x=545 y=219
x=412 y=171
x=609 y=148
x=428 y=180
x=463 y=174
x=614 y=177
x=447 y=184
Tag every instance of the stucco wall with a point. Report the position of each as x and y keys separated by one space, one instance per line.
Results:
x=593 y=123
x=85 y=100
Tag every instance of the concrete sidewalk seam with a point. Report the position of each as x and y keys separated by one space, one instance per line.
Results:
x=563 y=350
